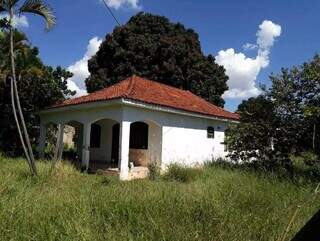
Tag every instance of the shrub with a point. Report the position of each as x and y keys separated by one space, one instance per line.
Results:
x=308 y=164
x=180 y=173
x=310 y=158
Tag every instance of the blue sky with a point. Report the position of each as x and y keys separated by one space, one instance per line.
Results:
x=222 y=25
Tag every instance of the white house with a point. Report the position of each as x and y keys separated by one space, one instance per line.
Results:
x=141 y=121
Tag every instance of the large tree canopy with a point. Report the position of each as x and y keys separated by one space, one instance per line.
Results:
x=39 y=86
x=153 y=47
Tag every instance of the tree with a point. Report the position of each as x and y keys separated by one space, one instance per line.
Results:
x=254 y=137
x=152 y=47
x=296 y=94
x=282 y=121
x=12 y=7
x=39 y=86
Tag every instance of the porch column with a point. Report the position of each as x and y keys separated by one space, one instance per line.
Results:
x=86 y=145
x=124 y=149
x=42 y=140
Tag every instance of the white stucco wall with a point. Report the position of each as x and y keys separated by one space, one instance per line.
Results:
x=191 y=146
x=184 y=138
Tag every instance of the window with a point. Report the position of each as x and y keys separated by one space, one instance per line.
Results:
x=95 y=136
x=210 y=132
x=139 y=135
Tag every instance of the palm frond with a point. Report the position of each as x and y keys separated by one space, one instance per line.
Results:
x=41 y=8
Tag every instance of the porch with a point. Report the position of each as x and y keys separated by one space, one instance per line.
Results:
x=110 y=146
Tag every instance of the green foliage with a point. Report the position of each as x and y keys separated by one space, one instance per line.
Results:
x=64 y=204
x=180 y=173
x=257 y=135
x=151 y=46
x=39 y=86
x=41 y=8
x=34 y=7
x=312 y=111
x=281 y=122
x=296 y=94
x=308 y=158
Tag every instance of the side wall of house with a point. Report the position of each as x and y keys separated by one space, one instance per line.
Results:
x=188 y=143
x=184 y=138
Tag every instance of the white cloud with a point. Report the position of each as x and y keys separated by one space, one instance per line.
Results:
x=268 y=32
x=18 y=21
x=80 y=68
x=242 y=70
x=249 y=46
x=116 y=4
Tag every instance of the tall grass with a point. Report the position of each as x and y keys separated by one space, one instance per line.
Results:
x=180 y=173
x=218 y=204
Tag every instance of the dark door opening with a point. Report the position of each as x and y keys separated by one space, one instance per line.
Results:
x=115 y=145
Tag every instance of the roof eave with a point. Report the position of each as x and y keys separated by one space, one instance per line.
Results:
x=145 y=105
x=133 y=103
x=87 y=105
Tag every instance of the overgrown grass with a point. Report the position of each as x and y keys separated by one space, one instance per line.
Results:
x=181 y=173
x=218 y=204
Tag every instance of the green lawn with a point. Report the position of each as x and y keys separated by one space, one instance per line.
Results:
x=220 y=204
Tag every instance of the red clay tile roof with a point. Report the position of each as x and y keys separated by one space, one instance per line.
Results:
x=151 y=92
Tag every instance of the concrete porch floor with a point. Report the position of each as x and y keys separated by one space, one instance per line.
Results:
x=110 y=169
x=134 y=173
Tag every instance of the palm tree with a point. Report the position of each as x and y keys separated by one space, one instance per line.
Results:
x=13 y=8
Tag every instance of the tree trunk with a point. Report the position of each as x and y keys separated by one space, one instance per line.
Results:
x=18 y=125
x=30 y=152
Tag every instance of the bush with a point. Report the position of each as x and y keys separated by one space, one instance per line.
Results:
x=310 y=159
x=180 y=173
x=308 y=164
